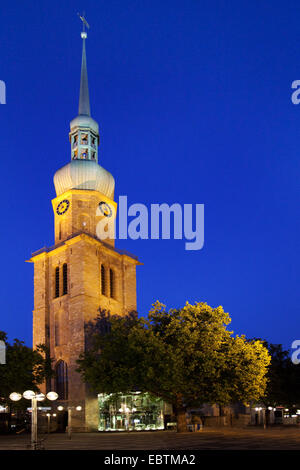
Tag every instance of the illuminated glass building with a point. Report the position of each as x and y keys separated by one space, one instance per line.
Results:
x=136 y=411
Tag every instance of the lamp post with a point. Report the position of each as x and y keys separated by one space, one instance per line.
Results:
x=69 y=409
x=49 y=421
x=34 y=397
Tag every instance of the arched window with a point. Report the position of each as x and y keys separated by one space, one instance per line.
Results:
x=112 y=283
x=103 y=280
x=61 y=380
x=57 y=330
x=57 y=282
x=65 y=279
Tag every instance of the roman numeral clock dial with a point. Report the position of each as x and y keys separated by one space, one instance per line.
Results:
x=105 y=209
x=62 y=207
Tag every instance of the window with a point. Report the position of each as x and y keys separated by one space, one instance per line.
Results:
x=75 y=141
x=57 y=331
x=112 y=283
x=103 y=280
x=65 y=279
x=61 y=380
x=84 y=139
x=84 y=155
x=57 y=282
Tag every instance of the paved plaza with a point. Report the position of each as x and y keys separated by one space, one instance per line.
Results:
x=208 y=439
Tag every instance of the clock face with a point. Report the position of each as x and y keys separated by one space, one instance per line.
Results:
x=105 y=209
x=62 y=207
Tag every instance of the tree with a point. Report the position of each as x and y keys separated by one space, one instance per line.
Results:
x=185 y=356
x=25 y=369
x=283 y=388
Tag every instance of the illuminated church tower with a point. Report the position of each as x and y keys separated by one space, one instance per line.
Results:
x=81 y=273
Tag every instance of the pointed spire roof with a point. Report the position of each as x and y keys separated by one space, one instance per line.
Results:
x=84 y=119
x=84 y=99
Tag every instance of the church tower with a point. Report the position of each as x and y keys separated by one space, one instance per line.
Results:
x=83 y=272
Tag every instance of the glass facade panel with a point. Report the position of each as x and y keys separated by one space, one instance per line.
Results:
x=133 y=412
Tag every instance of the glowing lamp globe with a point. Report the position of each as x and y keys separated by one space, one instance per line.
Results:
x=15 y=396
x=79 y=408
x=52 y=396
x=29 y=394
x=60 y=408
x=40 y=397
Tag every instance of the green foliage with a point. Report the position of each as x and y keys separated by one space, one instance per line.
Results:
x=25 y=369
x=185 y=356
x=283 y=379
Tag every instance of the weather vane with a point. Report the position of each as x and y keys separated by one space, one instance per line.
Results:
x=84 y=24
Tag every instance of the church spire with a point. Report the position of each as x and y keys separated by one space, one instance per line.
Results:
x=83 y=172
x=84 y=99
x=84 y=135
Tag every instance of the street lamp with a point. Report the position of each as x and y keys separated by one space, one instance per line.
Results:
x=34 y=397
x=49 y=421
x=69 y=409
x=15 y=396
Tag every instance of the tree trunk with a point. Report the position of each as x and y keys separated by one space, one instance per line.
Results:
x=181 y=420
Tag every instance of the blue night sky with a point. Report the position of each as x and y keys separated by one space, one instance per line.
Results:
x=193 y=99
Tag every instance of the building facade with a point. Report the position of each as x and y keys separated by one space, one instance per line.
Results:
x=83 y=271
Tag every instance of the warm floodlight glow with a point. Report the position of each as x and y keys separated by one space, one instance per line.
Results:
x=48 y=414
x=60 y=408
x=52 y=396
x=29 y=394
x=78 y=408
x=15 y=396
